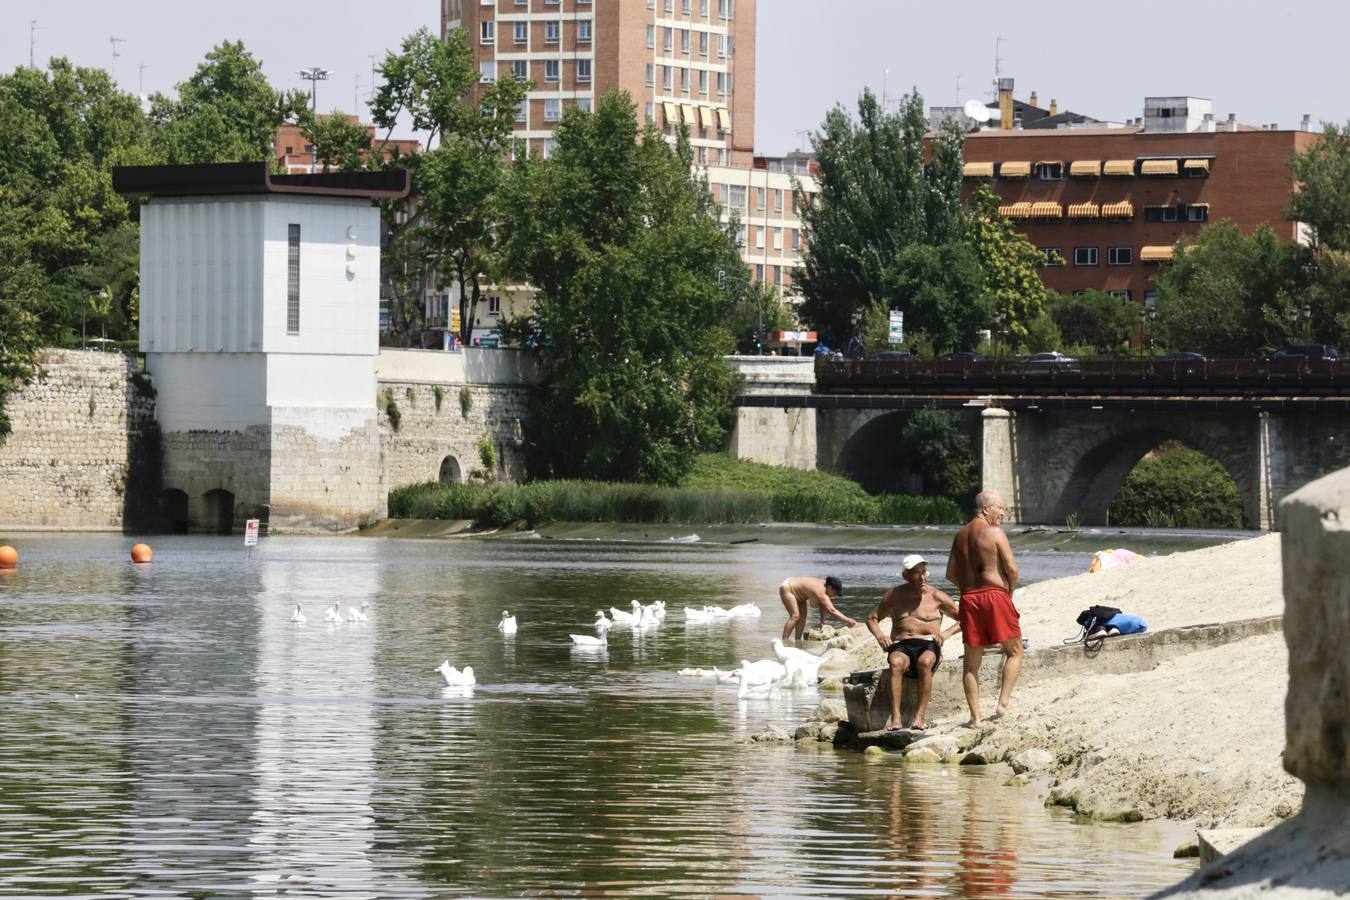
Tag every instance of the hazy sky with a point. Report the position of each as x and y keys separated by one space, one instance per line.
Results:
x=1267 y=61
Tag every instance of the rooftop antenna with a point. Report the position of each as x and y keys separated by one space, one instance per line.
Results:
x=313 y=74
x=372 y=75
x=140 y=79
x=884 y=73
x=958 y=88
x=115 y=54
x=32 y=42
x=998 y=62
x=356 y=94
x=801 y=135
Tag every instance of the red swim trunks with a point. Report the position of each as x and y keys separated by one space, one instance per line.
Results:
x=988 y=617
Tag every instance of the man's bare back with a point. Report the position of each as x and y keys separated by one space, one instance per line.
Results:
x=982 y=557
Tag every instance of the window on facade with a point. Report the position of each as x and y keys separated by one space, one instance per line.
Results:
x=668 y=39
x=1197 y=214
x=1049 y=171
x=736 y=196
x=651 y=4
x=703 y=43
x=552 y=110
x=487 y=32
x=552 y=70
x=1150 y=298
x=488 y=69
x=1119 y=256
x=651 y=76
x=761 y=197
x=520 y=32
x=522 y=2
x=721 y=46
x=1084 y=256
x=552 y=32
x=684 y=80
x=702 y=156
x=684 y=40
x=726 y=8
x=583 y=70
x=550 y=144
x=1053 y=256
x=778 y=239
x=1160 y=214
x=583 y=31
x=684 y=7
x=703 y=8
x=759 y=238
x=703 y=82
x=293 y=279
x=650 y=111
x=670 y=6
x=670 y=79
x=651 y=36
x=494 y=306
x=740 y=235
x=523 y=111
x=520 y=68
x=777 y=200
x=759 y=272
x=584 y=104
x=1119 y=295
x=796 y=239
x=721 y=84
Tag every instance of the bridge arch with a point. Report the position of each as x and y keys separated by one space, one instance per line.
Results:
x=873 y=455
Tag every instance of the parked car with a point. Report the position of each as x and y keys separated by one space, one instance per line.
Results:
x=1186 y=356
x=891 y=355
x=1314 y=352
x=965 y=356
x=1053 y=361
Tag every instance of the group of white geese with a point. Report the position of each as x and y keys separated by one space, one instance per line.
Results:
x=790 y=667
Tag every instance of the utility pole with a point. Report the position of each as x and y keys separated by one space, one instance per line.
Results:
x=140 y=79
x=314 y=74
x=32 y=43
x=115 y=54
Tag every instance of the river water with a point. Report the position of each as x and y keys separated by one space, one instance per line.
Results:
x=167 y=731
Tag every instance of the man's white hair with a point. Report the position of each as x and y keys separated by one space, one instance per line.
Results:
x=986 y=499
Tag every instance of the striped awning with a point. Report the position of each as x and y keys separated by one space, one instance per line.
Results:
x=709 y=116
x=1122 y=210
x=1086 y=168
x=1084 y=210
x=672 y=113
x=1196 y=165
x=690 y=117
x=1156 y=254
x=723 y=118
x=978 y=170
x=1118 y=167
x=1020 y=210
x=1049 y=162
x=1158 y=167
x=1044 y=209
x=1198 y=205
x=1014 y=170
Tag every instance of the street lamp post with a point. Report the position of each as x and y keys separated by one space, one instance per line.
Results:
x=1307 y=322
x=84 y=308
x=1293 y=323
x=313 y=74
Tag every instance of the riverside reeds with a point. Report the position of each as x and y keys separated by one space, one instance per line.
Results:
x=715 y=493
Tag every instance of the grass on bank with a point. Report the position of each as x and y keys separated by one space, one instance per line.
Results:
x=719 y=490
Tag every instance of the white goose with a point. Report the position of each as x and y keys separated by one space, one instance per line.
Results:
x=358 y=615
x=655 y=611
x=760 y=678
x=601 y=621
x=456 y=677
x=745 y=611
x=802 y=668
x=507 y=623
x=334 y=613
x=782 y=652
x=298 y=617
x=585 y=640
x=693 y=615
x=627 y=618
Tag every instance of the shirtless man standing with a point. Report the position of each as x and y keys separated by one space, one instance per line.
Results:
x=914 y=647
x=982 y=567
x=802 y=592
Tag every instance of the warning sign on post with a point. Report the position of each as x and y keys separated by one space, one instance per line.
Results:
x=251 y=532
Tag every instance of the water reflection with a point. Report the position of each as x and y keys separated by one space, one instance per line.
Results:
x=169 y=730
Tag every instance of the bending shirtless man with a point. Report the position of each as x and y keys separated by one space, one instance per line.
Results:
x=800 y=593
x=914 y=646
x=982 y=567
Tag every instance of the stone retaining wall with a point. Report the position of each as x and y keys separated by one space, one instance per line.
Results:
x=79 y=428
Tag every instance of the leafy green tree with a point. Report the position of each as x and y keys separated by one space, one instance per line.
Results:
x=1011 y=265
x=1321 y=198
x=226 y=112
x=754 y=304
x=942 y=454
x=1178 y=487
x=339 y=142
x=941 y=289
x=1095 y=319
x=452 y=231
x=623 y=245
x=1228 y=294
x=875 y=199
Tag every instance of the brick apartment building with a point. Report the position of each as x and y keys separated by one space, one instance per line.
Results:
x=1113 y=200
x=294 y=154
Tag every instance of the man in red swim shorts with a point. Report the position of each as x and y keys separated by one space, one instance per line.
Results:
x=982 y=567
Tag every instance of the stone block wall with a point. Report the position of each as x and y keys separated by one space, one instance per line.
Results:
x=428 y=436
x=78 y=429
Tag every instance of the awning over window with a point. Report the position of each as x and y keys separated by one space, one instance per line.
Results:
x=1086 y=168
x=1122 y=210
x=978 y=170
x=1046 y=210
x=709 y=116
x=1158 y=167
x=1196 y=165
x=723 y=119
x=1049 y=162
x=690 y=117
x=1156 y=254
x=1198 y=205
x=1118 y=167
x=672 y=113
x=1015 y=210
x=1014 y=170
x=1084 y=211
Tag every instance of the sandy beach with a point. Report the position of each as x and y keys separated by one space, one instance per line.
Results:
x=1198 y=737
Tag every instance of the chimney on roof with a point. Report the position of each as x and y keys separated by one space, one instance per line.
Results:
x=1274 y=126
x=1005 y=103
x=1054 y=107
x=1207 y=123
x=1306 y=125
x=1232 y=121
x=1032 y=101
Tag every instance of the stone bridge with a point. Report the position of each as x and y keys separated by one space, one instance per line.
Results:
x=1050 y=457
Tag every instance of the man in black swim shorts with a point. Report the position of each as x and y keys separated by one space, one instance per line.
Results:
x=914 y=646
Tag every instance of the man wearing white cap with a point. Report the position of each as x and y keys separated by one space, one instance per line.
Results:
x=914 y=646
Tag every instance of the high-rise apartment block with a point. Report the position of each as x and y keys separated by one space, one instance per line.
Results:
x=689 y=62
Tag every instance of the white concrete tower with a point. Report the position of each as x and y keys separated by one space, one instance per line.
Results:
x=259 y=318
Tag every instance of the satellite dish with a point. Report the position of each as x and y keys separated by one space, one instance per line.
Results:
x=976 y=110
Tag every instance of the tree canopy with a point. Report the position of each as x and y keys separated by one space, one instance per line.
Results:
x=623 y=245
x=1095 y=319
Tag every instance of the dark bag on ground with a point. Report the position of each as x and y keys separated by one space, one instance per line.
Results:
x=1093 y=616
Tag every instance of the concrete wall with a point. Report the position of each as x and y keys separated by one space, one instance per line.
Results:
x=778 y=436
x=76 y=432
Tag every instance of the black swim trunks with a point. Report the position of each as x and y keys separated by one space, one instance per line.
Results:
x=914 y=648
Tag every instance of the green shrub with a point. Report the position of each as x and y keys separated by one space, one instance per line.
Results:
x=1178 y=487
x=438 y=392
x=391 y=409
x=465 y=402
x=487 y=454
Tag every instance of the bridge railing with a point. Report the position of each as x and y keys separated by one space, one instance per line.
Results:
x=1104 y=375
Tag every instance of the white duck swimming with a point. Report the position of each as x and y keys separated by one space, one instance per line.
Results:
x=334 y=613
x=627 y=618
x=655 y=611
x=745 y=611
x=507 y=623
x=298 y=617
x=585 y=640
x=601 y=621
x=761 y=677
x=358 y=615
x=456 y=677
x=694 y=615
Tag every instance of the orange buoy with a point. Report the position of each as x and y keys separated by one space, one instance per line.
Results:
x=9 y=557
x=141 y=553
